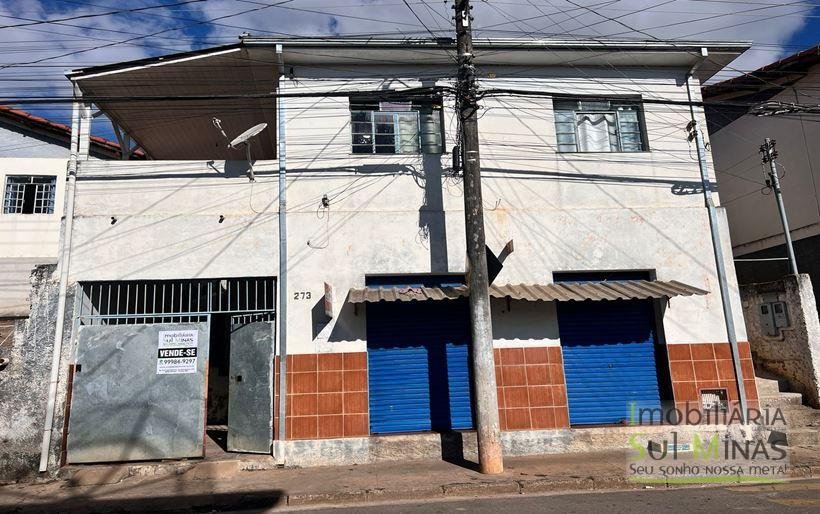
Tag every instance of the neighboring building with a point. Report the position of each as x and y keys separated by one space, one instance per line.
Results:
x=33 y=156
x=736 y=135
x=34 y=153
x=608 y=297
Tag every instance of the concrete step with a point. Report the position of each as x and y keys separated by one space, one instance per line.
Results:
x=807 y=436
x=767 y=386
x=801 y=416
x=781 y=400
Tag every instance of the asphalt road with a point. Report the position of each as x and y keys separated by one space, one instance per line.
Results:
x=796 y=496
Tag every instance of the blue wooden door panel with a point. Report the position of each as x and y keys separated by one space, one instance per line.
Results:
x=609 y=359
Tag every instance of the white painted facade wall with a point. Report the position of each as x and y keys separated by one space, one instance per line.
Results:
x=753 y=217
x=404 y=214
x=27 y=239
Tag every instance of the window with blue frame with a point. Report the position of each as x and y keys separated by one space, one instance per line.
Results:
x=599 y=125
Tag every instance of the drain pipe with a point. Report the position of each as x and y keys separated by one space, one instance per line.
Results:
x=716 y=246
x=77 y=126
x=282 y=314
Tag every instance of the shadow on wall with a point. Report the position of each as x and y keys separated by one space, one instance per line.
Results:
x=349 y=325
x=432 y=222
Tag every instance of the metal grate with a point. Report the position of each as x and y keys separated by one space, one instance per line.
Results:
x=175 y=301
x=29 y=195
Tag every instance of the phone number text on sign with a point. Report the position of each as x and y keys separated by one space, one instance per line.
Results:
x=177 y=352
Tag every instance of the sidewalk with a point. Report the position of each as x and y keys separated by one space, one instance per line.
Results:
x=223 y=484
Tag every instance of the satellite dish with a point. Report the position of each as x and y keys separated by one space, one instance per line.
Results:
x=245 y=136
x=243 y=139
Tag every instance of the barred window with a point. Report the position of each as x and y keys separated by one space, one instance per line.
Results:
x=397 y=127
x=29 y=194
x=593 y=125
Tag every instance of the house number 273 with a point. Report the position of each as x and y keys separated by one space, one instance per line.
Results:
x=301 y=295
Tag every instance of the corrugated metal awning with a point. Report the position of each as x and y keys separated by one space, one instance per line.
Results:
x=374 y=294
x=562 y=292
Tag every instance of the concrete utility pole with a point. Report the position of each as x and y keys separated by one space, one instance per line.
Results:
x=490 y=457
x=720 y=266
x=769 y=155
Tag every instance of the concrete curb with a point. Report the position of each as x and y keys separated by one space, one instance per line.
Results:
x=501 y=486
x=567 y=485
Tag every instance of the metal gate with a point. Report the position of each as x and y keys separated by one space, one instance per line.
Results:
x=609 y=359
x=418 y=366
x=139 y=382
x=250 y=404
x=125 y=406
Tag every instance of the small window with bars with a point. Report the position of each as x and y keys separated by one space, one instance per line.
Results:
x=29 y=194
x=594 y=125
x=396 y=127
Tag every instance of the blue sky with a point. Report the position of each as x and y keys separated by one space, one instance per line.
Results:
x=776 y=28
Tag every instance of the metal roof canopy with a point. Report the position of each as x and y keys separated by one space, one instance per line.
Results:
x=562 y=292
x=182 y=129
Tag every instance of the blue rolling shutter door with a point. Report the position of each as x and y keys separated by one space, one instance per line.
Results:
x=418 y=366
x=609 y=359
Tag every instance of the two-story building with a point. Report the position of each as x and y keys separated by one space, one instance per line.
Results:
x=605 y=298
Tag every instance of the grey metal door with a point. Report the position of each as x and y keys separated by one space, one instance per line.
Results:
x=250 y=389
x=138 y=393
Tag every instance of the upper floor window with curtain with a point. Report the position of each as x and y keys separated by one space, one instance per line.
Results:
x=405 y=126
x=595 y=125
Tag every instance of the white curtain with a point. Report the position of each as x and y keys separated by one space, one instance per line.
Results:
x=595 y=132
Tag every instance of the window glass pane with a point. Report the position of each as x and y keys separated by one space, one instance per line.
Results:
x=430 y=136
x=567 y=148
x=594 y=105
x=385 y=143
x=360 y=116
x=362 y=149
x=566 y=139
x=395 y=106
x=408 y=133
x=362 y=127
x=628 y=114
x=565 y=128
x=630 y=129
x=631 y=142
x=363 y=139
x=383 y=118
x=628 y=126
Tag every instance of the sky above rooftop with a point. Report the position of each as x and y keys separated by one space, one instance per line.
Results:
x=42 y=39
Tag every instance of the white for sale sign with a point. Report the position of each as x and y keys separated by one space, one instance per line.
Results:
x=176 y=352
